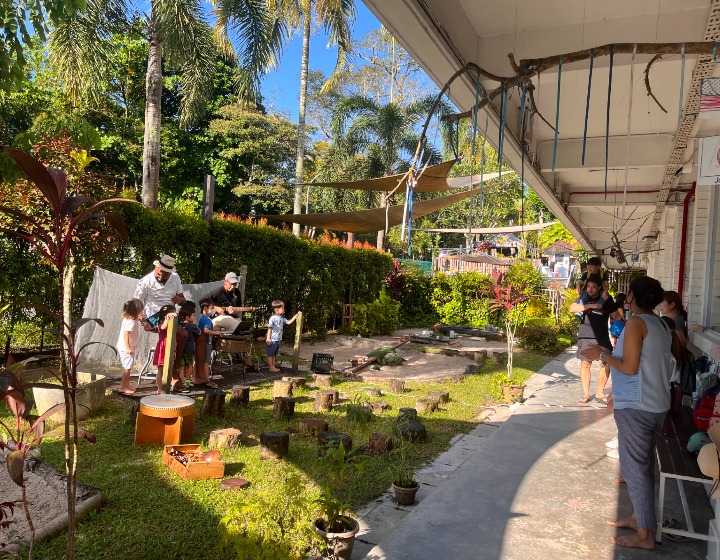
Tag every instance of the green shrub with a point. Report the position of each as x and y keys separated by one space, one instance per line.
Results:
x=540 y=339
x=463 y=299
x=378 y=317
x=537 y=308
x=540 y=322
x=523 y=274
x=412 y=287
x=567 y=321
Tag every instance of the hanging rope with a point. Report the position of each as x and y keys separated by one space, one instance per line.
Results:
x=472 y=156
x=557 y=114
x=607 y=117
x=682 y=86
x=587 y=104
x=501 y=131
x=627 y=146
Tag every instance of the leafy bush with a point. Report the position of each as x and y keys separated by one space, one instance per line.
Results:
x=537 y=308
x=412 y=287
x=567 y=321
x=540 y=322
x=378 y=317
x=463 y=299
x=540 y=338
x=523 y=274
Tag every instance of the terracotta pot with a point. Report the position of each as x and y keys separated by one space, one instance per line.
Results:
x=339 y=544
x=405 y=496
x=513 y=393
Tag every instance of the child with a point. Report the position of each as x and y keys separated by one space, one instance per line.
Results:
x=164 y=315
x=128 y=341
x=187 y=321
x=206 y=327
x=275 y=333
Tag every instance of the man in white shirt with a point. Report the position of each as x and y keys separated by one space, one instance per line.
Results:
x=161 y=287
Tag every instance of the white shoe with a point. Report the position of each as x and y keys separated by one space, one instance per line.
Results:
x=613 y=454
x=613 y=443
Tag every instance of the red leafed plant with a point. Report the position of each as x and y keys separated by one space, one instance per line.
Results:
x=508 y=299
x=59 y=225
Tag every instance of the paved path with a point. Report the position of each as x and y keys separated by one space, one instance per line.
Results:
x=532 y=485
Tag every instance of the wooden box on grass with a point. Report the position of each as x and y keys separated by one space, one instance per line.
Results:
x=194 y=470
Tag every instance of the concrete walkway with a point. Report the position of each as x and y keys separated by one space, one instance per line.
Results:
x=535 y=484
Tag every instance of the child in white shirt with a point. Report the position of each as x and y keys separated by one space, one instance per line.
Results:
x=129 y=340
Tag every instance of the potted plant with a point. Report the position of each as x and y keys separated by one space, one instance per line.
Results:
x=508 y=298
x=335 y=526
x=403 y=475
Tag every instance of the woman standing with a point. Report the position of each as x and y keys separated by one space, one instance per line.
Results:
x=671 y=306
x=640 y=369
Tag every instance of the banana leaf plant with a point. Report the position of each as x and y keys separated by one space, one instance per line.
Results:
x=55 y=228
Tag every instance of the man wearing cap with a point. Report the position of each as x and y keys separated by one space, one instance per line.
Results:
x=161 y=287
x=227 y=300
x=595 y=272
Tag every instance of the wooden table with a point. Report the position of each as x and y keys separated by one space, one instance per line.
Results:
x=165 y=419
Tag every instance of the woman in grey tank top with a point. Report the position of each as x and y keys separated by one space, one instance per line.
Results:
x=640 y=369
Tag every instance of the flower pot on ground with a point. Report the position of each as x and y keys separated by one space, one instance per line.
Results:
x=339 y=536
x=90 y=394
x=405 y=495
x=512 y=393
x=402 y=472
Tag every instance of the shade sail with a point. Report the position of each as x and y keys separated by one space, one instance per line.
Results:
x=434 y=179
x=504 y=229
x=366 y=221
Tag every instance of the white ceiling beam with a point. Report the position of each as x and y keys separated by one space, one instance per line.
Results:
x=598 y=202
x=645 y=151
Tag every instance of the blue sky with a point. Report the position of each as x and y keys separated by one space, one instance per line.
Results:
x=281 y=88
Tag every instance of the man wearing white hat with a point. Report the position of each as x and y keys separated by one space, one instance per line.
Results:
x=161 y=287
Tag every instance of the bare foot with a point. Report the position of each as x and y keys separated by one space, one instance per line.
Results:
x=127 y=391
x=635 y=541
x=627 y=523
x=158 y=392
x=275 y=370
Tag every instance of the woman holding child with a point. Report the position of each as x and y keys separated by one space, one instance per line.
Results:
x=640 y=369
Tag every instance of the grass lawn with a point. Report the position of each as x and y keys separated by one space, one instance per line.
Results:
x=153 y=514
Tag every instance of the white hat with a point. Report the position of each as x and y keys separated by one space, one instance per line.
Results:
x=232 y=278
x=166 y=262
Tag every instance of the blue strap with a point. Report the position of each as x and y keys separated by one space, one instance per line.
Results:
x=607 y=117
x=587 y=104
x=557 y=114
x=682 y=86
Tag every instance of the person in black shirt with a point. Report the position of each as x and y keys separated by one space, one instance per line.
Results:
x=593 y=330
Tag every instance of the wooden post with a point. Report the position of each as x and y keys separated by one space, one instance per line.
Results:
x=396 y=385
x=169 y=353
x=298 y=339
x=313 y=426
x=324 y=400
x=282 y=389
x=240 y=395
x=274 y=445
x=227 y=438
x=283 y=407
x=213 y=403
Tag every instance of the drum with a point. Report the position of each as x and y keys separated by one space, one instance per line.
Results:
x=233 y=344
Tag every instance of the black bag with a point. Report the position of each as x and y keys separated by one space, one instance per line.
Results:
x=688 y=374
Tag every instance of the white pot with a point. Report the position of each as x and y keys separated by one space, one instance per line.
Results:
x=90 y=394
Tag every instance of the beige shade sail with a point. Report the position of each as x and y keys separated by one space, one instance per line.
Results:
x=434 y=179
x=366 y=221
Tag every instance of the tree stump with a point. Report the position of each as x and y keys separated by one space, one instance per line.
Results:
x=500 y=358
x=213 y=403
x=322 y=379
x=283 y=407
x=407 y=414
x=396 y=385
x=233 y=484
x=425 y=406
x=412 y=430
x=282 y=388
x=227 y=438
x=296 y=381
x=240 y=395
x=372 y=392
x=324 y=400
x=480 y=357
x=376 y=407
x=274 y=445
x=329 y=440
x=134 y=412
x=380 y=443
x=439 y=396
x=313 y=426
x=336 y=395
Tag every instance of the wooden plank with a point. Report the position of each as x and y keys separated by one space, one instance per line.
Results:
x=373 y=359
x=298 y=340
x=170 y=352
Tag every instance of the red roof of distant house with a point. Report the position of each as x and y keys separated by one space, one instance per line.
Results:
x=560 y=247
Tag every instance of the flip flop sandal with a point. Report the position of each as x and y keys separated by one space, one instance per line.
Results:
x=602 y=400
x=675 y=524
x=584 y=400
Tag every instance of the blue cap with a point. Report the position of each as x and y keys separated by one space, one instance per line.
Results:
x=617 y=328
x=697 y=440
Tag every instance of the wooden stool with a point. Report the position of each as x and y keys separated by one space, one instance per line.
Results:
x=166 y=419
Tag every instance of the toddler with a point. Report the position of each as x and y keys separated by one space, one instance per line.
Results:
x=129 y=340
x=275 y=333
x=187 y=322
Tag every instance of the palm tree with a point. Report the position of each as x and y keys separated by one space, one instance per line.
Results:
x=179 y=36
x=385 y=136
x=336 y=18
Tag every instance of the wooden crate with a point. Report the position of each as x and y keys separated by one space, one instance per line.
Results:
x=194 y=470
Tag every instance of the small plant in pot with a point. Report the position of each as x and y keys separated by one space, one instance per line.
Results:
x=402 y=474
x=336 y=526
